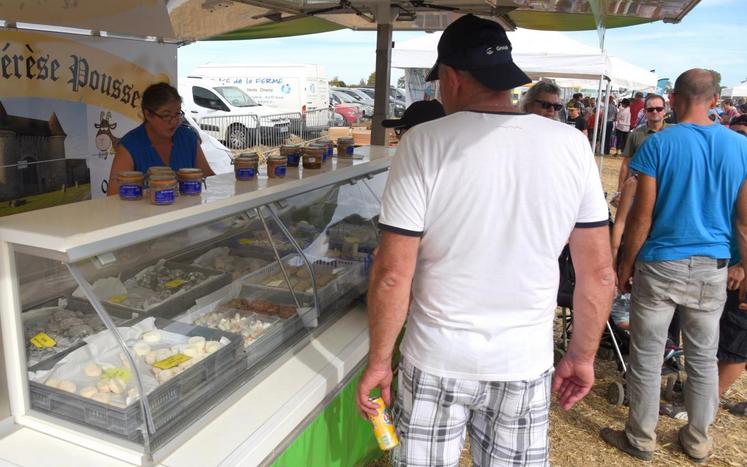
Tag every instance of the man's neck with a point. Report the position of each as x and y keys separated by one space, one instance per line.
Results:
x=492 y=102
x=696 y=115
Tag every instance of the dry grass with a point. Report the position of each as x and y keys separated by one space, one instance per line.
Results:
x=574 y=434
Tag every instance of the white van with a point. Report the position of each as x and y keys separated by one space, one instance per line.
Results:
x=228 y=114
x=289 y=88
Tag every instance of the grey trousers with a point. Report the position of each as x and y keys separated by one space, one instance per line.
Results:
x=698 y=287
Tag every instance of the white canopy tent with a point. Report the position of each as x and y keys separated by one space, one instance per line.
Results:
x=542 y=54
x=740 y=90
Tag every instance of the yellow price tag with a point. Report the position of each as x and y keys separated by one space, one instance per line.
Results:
x=246 y=241
x=172 y=361
x=175 y=283
x=43 y=341
x=123 y=373
x=117 y=298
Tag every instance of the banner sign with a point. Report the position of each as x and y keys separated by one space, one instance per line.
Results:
x=65 y=101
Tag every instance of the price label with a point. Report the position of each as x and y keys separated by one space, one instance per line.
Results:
x=117 y=299
x=123 y=373
x=172 y=361
x=175 y=283
x=246 y=241
x=43 y=341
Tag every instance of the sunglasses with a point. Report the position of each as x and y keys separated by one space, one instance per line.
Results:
x=549 y=105
x=167 y=117
x=741 y=132
x=654 y=109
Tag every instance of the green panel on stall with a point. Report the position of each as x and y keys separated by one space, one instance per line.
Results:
x=338 y=437
x=550 y=21
x=296 y=27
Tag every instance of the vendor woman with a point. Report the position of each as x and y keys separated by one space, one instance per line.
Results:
x=162 y=139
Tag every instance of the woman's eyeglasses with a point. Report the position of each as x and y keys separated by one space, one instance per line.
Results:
x=549 y=105
x=654 y=109
x=168 y=117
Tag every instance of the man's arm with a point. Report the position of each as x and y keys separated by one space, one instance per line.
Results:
x=741 y=231
x=621 y=216
x=388 y=300
x=637 y=228
x=624 y=170
x=592 y=301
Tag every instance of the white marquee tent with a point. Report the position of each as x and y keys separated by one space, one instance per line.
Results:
x=542 y=54
x=740 y=90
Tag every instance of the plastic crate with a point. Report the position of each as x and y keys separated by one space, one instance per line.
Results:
x=37 y=318
x=167 y=402
x=178 y=303
x=353 y=275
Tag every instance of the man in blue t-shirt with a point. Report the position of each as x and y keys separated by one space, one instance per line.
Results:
x=677 y=238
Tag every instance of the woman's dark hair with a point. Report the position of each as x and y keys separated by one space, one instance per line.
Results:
x=158 y=95
x=740 y=120
x=625 y=103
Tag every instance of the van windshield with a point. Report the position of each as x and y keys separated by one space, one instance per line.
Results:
x=236 y=97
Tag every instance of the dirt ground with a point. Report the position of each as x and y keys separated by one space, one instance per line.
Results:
x=574 y=434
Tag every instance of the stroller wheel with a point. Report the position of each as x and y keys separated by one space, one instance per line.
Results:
x=616 y=394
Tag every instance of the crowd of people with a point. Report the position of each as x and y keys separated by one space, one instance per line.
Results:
x=479 y=205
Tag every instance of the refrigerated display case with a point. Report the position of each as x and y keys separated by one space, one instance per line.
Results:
x=130 y=328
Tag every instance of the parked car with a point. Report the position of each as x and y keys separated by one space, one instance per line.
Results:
x=350 y=113
x=396 y=106
x=229 y=114
x=338 y=97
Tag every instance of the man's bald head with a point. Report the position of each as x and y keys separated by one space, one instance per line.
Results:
x=697 y=85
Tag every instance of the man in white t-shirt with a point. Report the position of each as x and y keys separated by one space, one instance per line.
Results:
x=478 y=206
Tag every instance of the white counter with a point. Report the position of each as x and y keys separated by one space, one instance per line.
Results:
x=248 y=431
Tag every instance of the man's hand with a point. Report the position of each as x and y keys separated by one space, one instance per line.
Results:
x=572 y=380
x=373 y=378
x=735 y=277
x=624 y=277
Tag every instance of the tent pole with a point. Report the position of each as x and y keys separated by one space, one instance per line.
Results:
x=604 y=122
x=384 y=30
x=596 y=116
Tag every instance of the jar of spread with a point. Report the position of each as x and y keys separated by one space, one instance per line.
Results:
x=190 y=181
x=330 y=146
x=313 y=155
x=246 y=166
x=157 y=170
x=276 y=166
x=292 y=153
x=162 y=189
x=345 y=146
x=131 y=185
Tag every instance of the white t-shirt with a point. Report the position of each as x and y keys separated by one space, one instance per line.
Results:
x=494 y=198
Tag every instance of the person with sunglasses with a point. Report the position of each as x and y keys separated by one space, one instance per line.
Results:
x=418 y=112
x=655 y=108
x=161 y=140
x=542 y=99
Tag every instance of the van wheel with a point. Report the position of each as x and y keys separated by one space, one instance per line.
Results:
x=237 y=137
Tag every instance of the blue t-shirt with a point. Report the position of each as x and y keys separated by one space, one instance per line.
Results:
x=144 y=155
x=698 y=171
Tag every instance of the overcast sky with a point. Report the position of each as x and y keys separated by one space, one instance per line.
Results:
x=713 y=35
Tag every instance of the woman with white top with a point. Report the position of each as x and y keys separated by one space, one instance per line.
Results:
x=622 y=124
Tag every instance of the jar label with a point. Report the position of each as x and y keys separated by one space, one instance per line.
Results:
x=349 y=150
x=280 y=171
x=293 y=159
x=311 y=160
x=165 y=196
x=330 y=151
x=130 y=191
x=245 y=172
x=190 y=187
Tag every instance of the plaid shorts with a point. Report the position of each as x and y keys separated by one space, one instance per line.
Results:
x=507 y=420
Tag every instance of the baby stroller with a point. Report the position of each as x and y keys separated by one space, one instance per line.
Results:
x=615 y=341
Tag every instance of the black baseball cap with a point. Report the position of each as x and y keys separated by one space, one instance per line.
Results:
x=481 y=47
x=418 y=112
